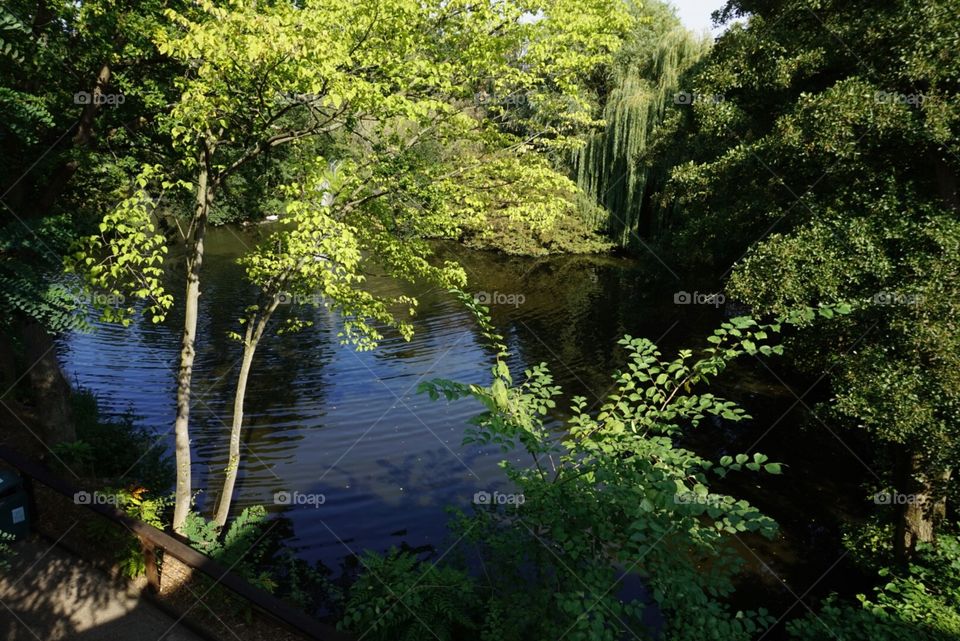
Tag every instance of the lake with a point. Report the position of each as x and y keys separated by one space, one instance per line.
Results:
x=382 y=462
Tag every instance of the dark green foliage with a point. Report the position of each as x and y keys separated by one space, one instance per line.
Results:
x=398 y=598
x=29 y=274
x=920 y=603
x=829 y=172
x=63 y=160
x=253 y=547
x=242 y=546
x=115 y=450
x=11 y=26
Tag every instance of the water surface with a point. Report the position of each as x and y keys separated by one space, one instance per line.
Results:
x=322 y=418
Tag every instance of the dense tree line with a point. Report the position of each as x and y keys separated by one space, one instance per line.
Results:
x=826 y=170
x=812 y=157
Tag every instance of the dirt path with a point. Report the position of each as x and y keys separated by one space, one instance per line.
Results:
x=49 y=594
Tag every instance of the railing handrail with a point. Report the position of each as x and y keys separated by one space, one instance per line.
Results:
x=175 y=546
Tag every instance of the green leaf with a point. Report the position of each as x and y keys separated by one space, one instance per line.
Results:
x=499 y=392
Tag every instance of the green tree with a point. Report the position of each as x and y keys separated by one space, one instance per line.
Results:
x=621 y=166
x=318 y=259
x=832 y=163
x=425 y=170
x=260 y=77
x=77 y=82
x=921 y=601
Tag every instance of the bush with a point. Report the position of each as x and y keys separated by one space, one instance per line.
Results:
x=129 y=463
x=253 y=548
x=134 y=503
x=396 y=598
x=567 y=234
x=921 y=603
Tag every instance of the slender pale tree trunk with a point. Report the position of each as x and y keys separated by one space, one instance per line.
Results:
x=251 y=340
x=198 y=226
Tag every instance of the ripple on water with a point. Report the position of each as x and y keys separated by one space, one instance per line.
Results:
x=324 y=419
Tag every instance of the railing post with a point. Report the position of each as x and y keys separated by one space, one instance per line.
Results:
x=150 y=563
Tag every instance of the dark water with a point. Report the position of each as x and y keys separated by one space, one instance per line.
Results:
x=322 y=418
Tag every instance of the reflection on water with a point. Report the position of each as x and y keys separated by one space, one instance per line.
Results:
x=322 y=418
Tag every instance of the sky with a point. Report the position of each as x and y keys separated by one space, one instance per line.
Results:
x=695 y=14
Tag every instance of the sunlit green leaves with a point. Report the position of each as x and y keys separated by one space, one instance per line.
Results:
x=124 y=262
x=613 y=483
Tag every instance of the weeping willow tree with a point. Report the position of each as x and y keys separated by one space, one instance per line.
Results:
x=612 y=167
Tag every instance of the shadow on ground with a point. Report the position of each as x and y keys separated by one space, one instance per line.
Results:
x=50 y=595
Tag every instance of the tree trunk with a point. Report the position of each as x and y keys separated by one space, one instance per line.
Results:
x=81 y=138
x=198 y=226
x=250 y=343
x=919 y=499
x=49 y=387
x=233 y=460
x=940 y=504
x=947 y=184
